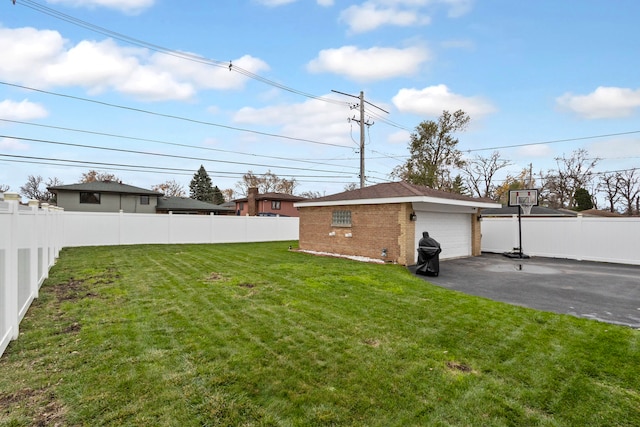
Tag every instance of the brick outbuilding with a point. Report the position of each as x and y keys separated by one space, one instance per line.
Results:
x=386 y=221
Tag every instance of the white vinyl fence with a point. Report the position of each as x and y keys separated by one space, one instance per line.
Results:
x=615 y=240
x=31 y=239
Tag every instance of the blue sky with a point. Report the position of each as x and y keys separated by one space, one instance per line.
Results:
x=525 y=71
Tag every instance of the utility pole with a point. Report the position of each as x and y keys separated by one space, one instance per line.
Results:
x=362 y=122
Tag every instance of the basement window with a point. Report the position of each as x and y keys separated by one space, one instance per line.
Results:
x=341 y=219
x=89 y=197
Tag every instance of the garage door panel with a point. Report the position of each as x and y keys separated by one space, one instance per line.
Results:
x=451 y=230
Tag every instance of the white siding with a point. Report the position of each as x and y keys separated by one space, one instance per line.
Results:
x=451 y=230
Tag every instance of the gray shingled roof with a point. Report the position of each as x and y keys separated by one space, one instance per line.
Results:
x=185 y=203
x=395 y=190
x=105 y=187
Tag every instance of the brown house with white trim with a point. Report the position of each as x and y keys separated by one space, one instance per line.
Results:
x=267 y=204
x=386 y=221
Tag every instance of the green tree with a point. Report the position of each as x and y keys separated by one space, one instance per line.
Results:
x=457 y=186
x=433 y=151
x=218 y=197
x=583 y=200
x=200 y=187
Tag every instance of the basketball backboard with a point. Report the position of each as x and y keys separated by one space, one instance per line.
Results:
x=523 y=197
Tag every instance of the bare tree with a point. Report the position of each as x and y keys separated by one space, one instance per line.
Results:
x=573 y=172
x=629 y=185
x=4 y=188
x=36 y=189
x=228 y=194
x=311 y=194
x=170 y=188
x=480 y=171
x=94 y=175
x=608 y=184
x=266 y=183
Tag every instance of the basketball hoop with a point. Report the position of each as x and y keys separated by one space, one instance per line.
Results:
x=526 y=208
x=524 y=200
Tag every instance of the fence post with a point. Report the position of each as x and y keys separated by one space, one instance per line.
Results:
x=11 y=267
x=33 y=249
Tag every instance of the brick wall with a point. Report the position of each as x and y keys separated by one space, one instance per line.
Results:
x=373 y=227
x=476 y=234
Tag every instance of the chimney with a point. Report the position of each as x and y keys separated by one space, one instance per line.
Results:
x=252 y=201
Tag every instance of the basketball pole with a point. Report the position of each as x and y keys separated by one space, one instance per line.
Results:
x=520 y=231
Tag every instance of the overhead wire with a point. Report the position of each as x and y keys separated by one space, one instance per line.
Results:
x=147 y=153
x=171 y=52
x=112 y=135
x=170 y=116
x=136 y=168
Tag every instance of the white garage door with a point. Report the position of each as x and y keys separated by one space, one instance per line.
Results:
x=451 y=230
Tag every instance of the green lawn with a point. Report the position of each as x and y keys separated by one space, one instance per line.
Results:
x=257 y=335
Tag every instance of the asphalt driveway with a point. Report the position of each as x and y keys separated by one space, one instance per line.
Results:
x=606 y=292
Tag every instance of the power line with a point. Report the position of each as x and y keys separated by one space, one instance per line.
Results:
x=147 y=153
x=170 y=116
x=167 y=51
x=553 y=141
x=111 y=135
x=139 y=168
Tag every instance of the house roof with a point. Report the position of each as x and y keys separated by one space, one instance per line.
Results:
x=105 y=187
x=274 y=196
x=398 y=192
x=535 y=211
x=167 y=203
x=598 y=212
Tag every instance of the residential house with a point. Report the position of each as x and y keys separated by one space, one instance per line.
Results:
x=267 y=204
x=386 y=221
x=105 y=196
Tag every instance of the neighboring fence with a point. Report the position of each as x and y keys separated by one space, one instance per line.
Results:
x=31 y=238
x=607 y=239
x=102 y=229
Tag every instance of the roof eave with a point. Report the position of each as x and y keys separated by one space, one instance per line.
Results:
x=410 y=199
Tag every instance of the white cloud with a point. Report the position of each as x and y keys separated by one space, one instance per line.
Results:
x=535 y=151
x=431 y=100
x=622 y=147
x=23 y=110
x=458 y=8
x=603 y=103
x=399 y=137
x=45 y=59
x=126 y=6
x=25 y=51
x=376 y=63
x=313 y=119
x=207 y=76
x=368 y=16
x=325 y=2
x=11 y=144
x=373 y=14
